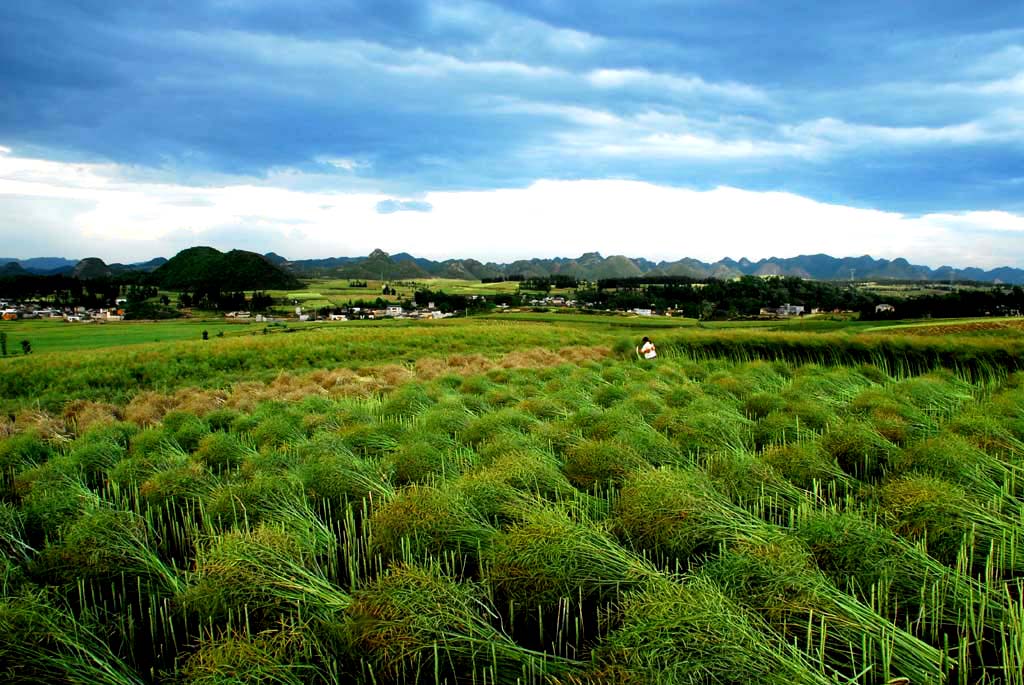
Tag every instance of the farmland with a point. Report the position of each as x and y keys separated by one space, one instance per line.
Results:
x=517 y=499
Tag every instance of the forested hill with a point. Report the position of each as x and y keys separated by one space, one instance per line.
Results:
x=205 y=267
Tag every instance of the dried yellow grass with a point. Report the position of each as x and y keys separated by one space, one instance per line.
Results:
x=49 y=428
x=148 y=408
x=80 y=415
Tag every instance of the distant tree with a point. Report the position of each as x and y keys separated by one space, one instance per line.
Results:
x=165 y=301
x=206 y=335
x=260 y=301
x=26 y=347
x=3 y=343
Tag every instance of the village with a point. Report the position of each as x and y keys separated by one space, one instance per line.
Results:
x=14 y=310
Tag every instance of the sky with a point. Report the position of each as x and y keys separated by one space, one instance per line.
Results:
x=507 y=130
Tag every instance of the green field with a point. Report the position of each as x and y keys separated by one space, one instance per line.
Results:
x=516 y=499
x=60 y=336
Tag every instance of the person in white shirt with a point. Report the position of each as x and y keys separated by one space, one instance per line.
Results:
x=647 y=349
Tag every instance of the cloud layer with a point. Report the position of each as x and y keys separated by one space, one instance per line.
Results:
x=149 y=119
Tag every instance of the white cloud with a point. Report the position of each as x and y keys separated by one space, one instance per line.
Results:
x=689 y=85
x=94 y=209
x=844 y=134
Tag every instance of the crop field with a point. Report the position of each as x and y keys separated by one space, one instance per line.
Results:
x=499 y=501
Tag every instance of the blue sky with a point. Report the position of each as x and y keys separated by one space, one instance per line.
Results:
x=649 y=128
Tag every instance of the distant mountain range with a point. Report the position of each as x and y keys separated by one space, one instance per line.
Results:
x=593 y=266
x=239 y=266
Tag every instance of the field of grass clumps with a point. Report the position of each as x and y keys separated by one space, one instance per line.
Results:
x=730 y=513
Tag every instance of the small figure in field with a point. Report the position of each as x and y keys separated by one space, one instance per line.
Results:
x=646 y=349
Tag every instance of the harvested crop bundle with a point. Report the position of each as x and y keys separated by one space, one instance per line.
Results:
x=806 y=465
x=688 y=631
x=598 y=462
x=906 y=585
x=675 y=514
x=414 y=623
x=185 y=428
x=953 y=458
x=892 y=416
x=283 y=656
x=103 y=544
x=264 y=573
x=547 y=556
x=779 y=581
x=921 y=507
x=420 y=521
x=708 y=425
x=860 y=450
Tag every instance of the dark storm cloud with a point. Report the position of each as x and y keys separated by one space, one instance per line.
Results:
x=901 y=106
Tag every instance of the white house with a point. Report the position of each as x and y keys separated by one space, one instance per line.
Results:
x=393 y=310
x=884 y=308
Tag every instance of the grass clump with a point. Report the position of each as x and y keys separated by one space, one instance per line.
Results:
x=185 y=428
x=750 y=482
x=953 y=458
x=407 y=401
x=446 y=418
x=246 y=502
x=761 y=404
x=650 y=445
x=183 y=481
x=425 y=460
x=892 y=416
x=41 y=640
x=21 y=451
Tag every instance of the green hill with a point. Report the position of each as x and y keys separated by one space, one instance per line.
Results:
x=206 y=267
